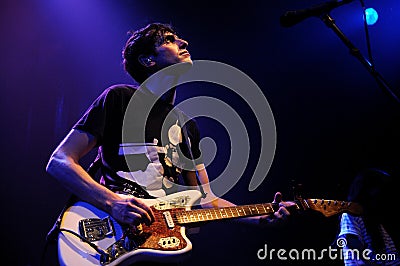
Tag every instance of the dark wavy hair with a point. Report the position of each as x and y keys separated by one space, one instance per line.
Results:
x=143 y=42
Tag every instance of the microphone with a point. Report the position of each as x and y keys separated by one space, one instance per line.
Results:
x=291 y=18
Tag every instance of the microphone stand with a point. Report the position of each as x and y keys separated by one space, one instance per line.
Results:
x=327 y=19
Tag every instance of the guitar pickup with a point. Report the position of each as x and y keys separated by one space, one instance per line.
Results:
x=94 y=229
x=168 y=219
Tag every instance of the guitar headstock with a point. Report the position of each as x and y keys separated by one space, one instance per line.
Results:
x=331 y=207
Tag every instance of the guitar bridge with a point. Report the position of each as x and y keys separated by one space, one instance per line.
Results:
x=94 y=229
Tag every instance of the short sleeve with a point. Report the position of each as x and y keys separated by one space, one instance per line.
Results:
x=350 y=225
x=94 y=119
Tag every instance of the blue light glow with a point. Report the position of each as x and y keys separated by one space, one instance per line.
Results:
x=371 y=16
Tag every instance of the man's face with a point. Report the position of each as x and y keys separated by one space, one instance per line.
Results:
x=171 y=51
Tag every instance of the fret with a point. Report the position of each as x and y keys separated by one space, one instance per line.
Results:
x=223 y=213
x=230 y=212
x=192 y=218
x=254 y=210
x=215 y=213
x=234 y=212
x=265 y=211
x=259 y=208
x=247 y=208
x=243 y=210
x=240 y=211
x=209 y=215
x=199 y=216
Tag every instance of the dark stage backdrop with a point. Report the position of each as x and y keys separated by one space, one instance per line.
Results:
x=331 y=116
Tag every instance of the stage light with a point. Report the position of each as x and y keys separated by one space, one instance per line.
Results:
x=371 y=16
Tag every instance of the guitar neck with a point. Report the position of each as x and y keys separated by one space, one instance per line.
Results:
x=326 y=207
x=202 y=215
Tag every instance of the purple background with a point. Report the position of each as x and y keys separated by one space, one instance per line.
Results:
x=331 y=116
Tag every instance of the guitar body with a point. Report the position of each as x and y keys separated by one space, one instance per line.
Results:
x=163 y=240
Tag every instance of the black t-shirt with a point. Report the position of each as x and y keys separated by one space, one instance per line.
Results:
x=117 y=119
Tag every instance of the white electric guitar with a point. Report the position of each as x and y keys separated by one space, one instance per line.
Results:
x=90 y=236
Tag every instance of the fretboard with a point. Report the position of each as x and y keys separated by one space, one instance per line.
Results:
x=201 y=215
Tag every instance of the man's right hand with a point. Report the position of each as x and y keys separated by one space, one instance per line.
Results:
x=132 y=211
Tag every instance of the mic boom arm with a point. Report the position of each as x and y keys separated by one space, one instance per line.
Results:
x=326 y=18
x=291 y=18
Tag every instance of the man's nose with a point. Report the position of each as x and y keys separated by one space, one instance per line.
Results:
x=182 y=43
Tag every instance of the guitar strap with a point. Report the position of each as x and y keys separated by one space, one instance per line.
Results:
x=185 y=135
x=122 y=185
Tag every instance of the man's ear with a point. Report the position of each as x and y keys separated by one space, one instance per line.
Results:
x=146 y=60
